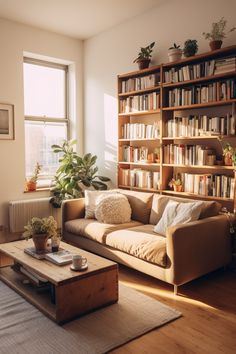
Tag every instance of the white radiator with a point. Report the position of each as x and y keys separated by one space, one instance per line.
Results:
x=21 y=211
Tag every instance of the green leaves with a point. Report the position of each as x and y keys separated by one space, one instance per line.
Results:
x=74 y=173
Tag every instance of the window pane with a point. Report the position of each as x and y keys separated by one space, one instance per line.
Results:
x=44 y=91
x=39 y=137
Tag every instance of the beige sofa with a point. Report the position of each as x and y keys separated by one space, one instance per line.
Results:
x=187 y=252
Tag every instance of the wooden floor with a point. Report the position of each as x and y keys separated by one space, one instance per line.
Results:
x=208 y=306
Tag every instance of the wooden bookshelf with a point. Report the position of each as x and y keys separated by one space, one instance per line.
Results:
x=165 y=113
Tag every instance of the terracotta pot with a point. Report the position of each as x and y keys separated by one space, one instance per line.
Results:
x=31 y=186
x=40 y=242
x=177 y=188
x=228 y=160
x=143 y=63
x=174 y=54
x=215 y=45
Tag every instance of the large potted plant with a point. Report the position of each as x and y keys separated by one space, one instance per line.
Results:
x=174 y=53
x=217 y=34
x=41 y=230
x=74 y=174
x=144 y=56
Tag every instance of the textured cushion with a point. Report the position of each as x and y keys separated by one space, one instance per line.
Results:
x=209 y=208
x=140 y=203
x=178 y=213
x=91 y=200
x=140 y=242
x=113 y=209
x=95 y=230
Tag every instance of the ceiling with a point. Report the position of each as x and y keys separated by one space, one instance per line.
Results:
x=76 y=18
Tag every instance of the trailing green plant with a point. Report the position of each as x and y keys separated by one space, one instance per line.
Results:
x=190 y=47
x=218 y=31
x=145 y=53
x=74 y=174
x=175 y=46
x=41 y=226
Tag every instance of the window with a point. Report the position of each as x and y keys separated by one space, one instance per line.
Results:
x=46 y=119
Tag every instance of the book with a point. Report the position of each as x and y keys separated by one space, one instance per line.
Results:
x=31 y=251
x=61 y=257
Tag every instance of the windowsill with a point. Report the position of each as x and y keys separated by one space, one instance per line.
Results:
x=39 y=190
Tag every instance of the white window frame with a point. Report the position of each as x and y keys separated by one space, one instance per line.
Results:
x=46 y=119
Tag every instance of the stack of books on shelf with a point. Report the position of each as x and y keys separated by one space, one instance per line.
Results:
x=216 y=91
x=196 y=155
x=140 y=131
x=208 y=185
x=196 y=71
x=139 y=103
x=140 y=178
x=140 y=83
x=134 y=154
x=199 y=125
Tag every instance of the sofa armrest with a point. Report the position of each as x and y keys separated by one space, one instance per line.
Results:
x=72 y=209
x=198 y=247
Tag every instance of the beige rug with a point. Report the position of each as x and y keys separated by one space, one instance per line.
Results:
x=24 y=329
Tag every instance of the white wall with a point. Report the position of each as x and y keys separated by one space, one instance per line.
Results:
x=112 y=52
x=16 y=39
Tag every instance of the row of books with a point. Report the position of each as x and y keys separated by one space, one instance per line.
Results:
x=188 y=155
x=134 y=154
x=140 y=83
x=138 y=103
x=208 y=185
x=140 y=178
x=140 y=131
x=217 y=91
x=199 y=125
x=196 y=71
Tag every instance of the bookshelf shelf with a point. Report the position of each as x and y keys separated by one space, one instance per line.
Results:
x=217 y=117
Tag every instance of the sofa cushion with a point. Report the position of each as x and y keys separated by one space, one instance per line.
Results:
x=91 y=200
x=178 y=213
x=140 y=203
x=113 y=209
x=209 y=208
x=140 y=242
x=95 y=230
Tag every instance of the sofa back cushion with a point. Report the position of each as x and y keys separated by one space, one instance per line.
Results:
x=210 y=208
x=141 y=204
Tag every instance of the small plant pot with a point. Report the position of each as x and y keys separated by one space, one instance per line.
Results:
x=228 y=160
x=189 y=54
x=40 y=242
x=31 y=186
x=178 y=188
x=214 y=45
x=174 y=54
x=143 y=63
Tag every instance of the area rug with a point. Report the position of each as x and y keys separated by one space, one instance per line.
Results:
x=24 y=329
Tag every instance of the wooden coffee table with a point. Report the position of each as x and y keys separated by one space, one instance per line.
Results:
x=76 y=293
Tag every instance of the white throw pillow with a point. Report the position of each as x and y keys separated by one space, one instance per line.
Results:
x=178 y=213
x=91 y=201
x=113 y=209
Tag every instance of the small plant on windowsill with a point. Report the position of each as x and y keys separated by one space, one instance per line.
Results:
x=176 y=184
x=31 y=183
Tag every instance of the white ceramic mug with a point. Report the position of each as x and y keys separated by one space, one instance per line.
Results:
x=78 y=261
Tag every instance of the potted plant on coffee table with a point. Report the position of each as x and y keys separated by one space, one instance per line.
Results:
x=41 y=229
x=217 y=34
x=144 y=56
x=174 y=53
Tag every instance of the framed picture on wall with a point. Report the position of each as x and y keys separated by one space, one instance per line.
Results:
x=6 y=121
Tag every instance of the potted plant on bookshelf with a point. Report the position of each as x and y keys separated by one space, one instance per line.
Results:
x=217 y=34
x=176 y=184
x=144 y=56
x=190 y=47
x=31 y=183
x=229 y=154
x=41 y=229
x=174 y=53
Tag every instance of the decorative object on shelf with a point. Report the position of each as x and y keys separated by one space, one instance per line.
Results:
x=217 y=34
x=190 y=47
x=174 y=53
x=31 y=183
x=176 y=184
x=41 y=230
x=157 y=154
x=74 y=174
x=6 y=121
x=229 y=154
x=144 y=56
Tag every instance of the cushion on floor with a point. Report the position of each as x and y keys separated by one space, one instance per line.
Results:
x=95 y=230
x=141 y=242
